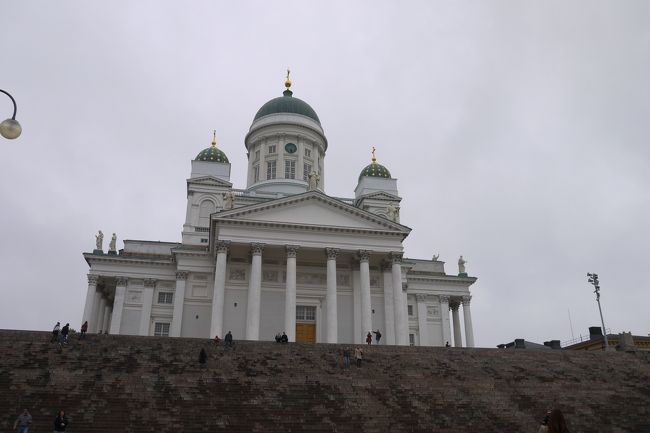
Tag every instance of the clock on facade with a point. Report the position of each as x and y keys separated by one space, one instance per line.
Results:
x=290 y=148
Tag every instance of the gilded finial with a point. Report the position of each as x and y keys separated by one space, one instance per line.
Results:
x=287 y=82
x=374 y=160
x=214 y=138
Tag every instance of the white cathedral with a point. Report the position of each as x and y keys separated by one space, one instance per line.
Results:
x=281 y=255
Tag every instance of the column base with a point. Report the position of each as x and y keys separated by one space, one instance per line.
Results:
x=112 y=253
x=98 y=251
x=463 y=274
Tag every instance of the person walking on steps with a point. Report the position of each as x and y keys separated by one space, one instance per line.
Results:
x=228 y=339
x=346 y=357
x=23 y=422
x=55 y=332
x=369 y=338
x=60 y=422
x=358 y=355
x=203 y=358
x=377 y=336
x=64 y=333
x=84 y=329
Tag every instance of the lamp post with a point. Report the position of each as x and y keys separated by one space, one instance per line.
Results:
x=593 y=279
x=10 y=128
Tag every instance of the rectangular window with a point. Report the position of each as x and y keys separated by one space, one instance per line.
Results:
x=410 y=310
x=161 y=329
x=257 y=155
x=270 y=170
x=305 y=313
x=306 y=171
x=165 y=298
x=272 y=148
x=290 y=169
x=256 y=173
x=308 y=152
x=412 y=339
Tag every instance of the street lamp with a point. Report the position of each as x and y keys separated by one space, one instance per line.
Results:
x=10 y=128
x=593 y=279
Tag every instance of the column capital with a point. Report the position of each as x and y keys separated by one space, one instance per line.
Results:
x=92 y=279
x=181 y=275
x=257 y=249
x=331 y=253
x=223 y=247
x=420 y=297
x=122 y=281
x=466 y=300
x=444 y=299
x=149 y=283
x=454 y=304
x=364 y=255
x=396 y=257
x=292 y=251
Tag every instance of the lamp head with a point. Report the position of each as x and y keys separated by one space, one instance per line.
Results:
x=10 y=129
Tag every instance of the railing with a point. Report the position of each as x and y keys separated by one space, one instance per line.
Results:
x=201 y=229
x=581 y=338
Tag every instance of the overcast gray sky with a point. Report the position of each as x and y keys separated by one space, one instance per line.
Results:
x=518 y=132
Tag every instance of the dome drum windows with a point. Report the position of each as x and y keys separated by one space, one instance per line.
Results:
x=290 y=169
x=271 y=167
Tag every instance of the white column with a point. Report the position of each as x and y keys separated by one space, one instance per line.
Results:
x=219 y=290
x=179 y=301
x=118 y=305
x=90 y=301
x=389 y=312
x=92 y=325
x=100 y=314
x=290 y=294
x=444 y=313
x=332 y=315
x=469 y=332
x=458 y=339
x=356 y=300
x=366 y=307
x=107 y=316
x=147 y=301
x=422 y=320
x=399 y=301
x=254 y=294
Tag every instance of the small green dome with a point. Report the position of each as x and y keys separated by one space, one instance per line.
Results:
x=287 y=104
x=212 y=154
x=375 y=170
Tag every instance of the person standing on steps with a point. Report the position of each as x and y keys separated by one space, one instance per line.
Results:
x=358 y=355
x=23 y=422
x=447 y=344
x=377 y=335
x=55 y=332
x=84 y=329
x=64 y=333
x=228 y=339
x=60 y=422
x=284 y=338
x=203 y=358
x=346 y=357
x=369 y=338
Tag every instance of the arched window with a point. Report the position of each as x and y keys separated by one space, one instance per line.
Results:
x=205 y=209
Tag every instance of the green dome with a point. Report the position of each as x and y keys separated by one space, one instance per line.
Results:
x=287 y=104
x=375 y=170
x=212 y=154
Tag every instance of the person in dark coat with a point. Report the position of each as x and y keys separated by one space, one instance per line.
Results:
x=203 y=357
x=64 y=333
x=284 y=338
x=369 y=338
x=228 y=339
x=55 y=332
x=60 y=422
x=84 y=329
x=23 y=422
x=377 y=336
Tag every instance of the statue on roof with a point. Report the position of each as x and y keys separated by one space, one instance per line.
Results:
x=435 y=257
x=314 y=179
x=99 y=241
x=393 y=213
x=111 y=245
x=228 y=200
x=461 y=265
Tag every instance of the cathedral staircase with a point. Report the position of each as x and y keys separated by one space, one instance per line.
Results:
x=150 y=384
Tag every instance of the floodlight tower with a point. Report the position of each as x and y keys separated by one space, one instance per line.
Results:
x=593 y=279
x=10 y=128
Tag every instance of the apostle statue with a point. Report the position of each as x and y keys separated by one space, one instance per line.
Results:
x=435 y=257
x=111 y=245
x=99 y=241
x=228 y=200
x=314 y=179
x=393 y=213
x=461 y=265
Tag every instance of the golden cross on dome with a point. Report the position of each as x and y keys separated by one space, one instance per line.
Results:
x=287 y=82
x=214 y=138
x=373 y=154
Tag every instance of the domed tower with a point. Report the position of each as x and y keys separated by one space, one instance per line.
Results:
x=286 y=144
x=377 y=192
x=208 y=182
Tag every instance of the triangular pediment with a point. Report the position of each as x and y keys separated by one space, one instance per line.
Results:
x=209 y=181
x=313 y=209
x=380 y=195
